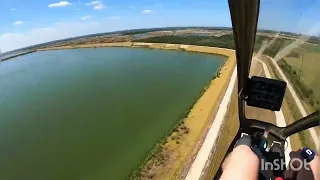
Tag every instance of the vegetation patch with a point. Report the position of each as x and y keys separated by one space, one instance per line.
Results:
x=225 y=41
x=159 y=155
x=302 y=70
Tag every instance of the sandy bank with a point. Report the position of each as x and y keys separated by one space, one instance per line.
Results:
x=180 y=147
x=192 y=48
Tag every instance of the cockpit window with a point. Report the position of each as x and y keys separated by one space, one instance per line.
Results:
x=287 y=48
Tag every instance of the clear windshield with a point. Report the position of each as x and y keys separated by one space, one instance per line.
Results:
x=287 y=48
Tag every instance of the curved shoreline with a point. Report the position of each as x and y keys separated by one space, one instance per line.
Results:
x=191 y=48
x=177 y=149
x=16 y=55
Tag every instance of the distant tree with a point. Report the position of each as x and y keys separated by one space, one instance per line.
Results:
x=311 y=102
x=310 y=92
x=294 y=54
x=294 y=72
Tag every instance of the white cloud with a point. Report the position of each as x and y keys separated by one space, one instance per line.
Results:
x=59 y=30
x=59 y=4
x=86 y=17
x=13 y=9
x=96 y=5
x=93 y=3
x=17 y=23
x=147 y=11
x=114 y=17
x=99 y=6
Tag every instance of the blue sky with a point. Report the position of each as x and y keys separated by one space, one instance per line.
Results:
x=30 y=22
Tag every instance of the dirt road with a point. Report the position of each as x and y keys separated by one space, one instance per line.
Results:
x=199 y=163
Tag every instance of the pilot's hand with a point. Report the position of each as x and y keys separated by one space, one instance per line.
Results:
x=244 y=140
x=242 y=163
x=299 y=165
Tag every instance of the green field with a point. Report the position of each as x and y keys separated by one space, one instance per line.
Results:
x=303 y=67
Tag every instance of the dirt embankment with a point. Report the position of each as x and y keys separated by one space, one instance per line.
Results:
x=191 y=48
x=93 y=45
x=172 y=156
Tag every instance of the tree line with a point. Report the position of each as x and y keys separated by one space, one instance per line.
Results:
x=305 y=92
x=225 y=41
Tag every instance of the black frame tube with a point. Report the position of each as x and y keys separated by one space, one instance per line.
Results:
x=244 y=16
x=307 y=122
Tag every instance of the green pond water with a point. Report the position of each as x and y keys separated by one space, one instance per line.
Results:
x=92 y=114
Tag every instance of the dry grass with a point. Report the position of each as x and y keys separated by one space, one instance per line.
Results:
x=228 y=132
